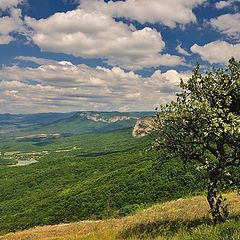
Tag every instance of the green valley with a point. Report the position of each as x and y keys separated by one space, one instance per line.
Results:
x=96 y=175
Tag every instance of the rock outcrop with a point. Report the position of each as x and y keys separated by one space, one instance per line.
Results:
x=143 y=127
x=111 y=119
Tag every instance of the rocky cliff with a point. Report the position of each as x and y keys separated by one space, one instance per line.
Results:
x=107 y=119
x=143 y=127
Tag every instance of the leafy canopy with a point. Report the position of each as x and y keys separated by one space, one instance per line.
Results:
x=203 y=124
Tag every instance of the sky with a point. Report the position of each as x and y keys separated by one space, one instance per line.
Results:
x=96 y=55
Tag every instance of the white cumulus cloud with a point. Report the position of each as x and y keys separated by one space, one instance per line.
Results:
x=92 y=34
x=228 y=24
x=63 y=86
x=7 y=4
x=167 y=12
x=10 y=24
x=224 y=4
x=217 y=52
x=5 y=39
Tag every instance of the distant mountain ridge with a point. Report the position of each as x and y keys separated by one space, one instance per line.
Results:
x=45 y=118
x=35 y=118
x=73 y=123
x=94 y=122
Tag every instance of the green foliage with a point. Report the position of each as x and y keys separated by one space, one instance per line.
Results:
x=185 y=230
x=203 y=126
x=105 y=175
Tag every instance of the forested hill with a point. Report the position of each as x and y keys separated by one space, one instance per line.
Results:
x=51 y=178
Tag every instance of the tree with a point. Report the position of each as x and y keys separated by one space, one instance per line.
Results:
x=203 y=126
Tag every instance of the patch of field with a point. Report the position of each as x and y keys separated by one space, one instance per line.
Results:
x=18 y=158
x=11 y=153
x=25 y=162
x=180 y=219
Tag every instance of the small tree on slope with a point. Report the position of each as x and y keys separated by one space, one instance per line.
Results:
x=203 y=125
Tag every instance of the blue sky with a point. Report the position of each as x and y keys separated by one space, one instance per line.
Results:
x=70 y=55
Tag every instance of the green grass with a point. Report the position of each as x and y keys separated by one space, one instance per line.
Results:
x=186 y=230
x=184 y=219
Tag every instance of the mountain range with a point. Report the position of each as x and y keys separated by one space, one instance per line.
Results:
x=73 y=123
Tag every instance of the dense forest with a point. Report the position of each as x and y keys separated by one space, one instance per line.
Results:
x=88 y=176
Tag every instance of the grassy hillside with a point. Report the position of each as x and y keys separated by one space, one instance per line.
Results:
x=184 y=219
x=93 y=176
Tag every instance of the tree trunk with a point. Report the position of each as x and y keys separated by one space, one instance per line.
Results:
x=218 y=209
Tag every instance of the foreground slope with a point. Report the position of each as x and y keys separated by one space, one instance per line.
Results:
x=181 y=219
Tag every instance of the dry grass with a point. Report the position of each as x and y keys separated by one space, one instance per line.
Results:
x=172 y=220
